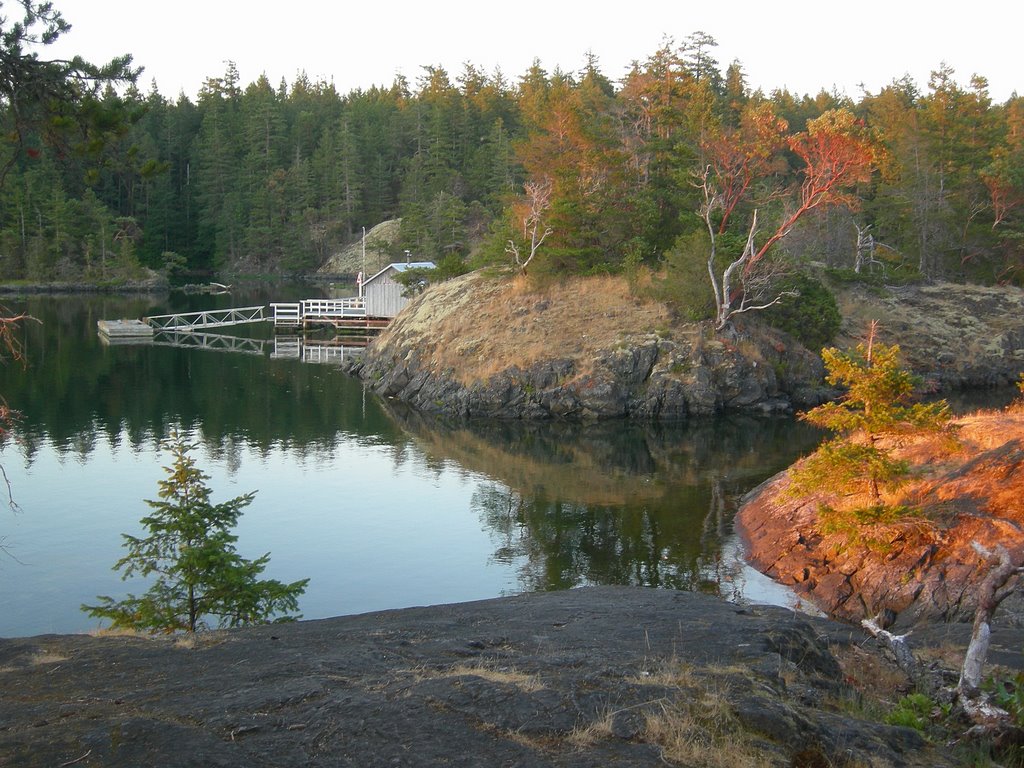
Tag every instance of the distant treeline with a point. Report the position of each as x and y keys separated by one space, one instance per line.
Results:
x=267 y=178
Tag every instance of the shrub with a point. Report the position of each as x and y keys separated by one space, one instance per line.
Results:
x=877 y=404
x=912 y=711
x=811 y=317
x=684 y=285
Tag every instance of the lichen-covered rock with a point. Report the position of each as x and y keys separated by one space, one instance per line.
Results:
x=951 y=334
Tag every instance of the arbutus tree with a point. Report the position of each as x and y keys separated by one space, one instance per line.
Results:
x=531 y=212
x=739 y=157
x=836 y=153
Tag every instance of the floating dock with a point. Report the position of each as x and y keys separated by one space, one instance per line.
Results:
x=124 y=331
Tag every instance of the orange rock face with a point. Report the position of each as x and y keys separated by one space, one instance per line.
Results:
x=921 y=567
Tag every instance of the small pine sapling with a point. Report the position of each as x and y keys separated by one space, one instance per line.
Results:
x=877 y=406
x=199 y=577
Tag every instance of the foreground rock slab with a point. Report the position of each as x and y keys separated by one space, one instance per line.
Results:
x=607 y=676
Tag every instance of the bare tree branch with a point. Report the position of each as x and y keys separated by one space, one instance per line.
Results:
x=905 y=659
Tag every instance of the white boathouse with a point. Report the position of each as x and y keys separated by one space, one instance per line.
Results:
x=382 y=293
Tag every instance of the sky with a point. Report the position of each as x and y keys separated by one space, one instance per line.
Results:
x=846 y=47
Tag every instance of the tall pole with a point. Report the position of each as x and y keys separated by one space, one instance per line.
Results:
x=362 y=275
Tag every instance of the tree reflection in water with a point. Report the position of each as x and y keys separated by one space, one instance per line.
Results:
x=571 y=504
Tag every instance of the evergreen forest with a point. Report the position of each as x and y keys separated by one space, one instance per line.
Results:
x=600 y=175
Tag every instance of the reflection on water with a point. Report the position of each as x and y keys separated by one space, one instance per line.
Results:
x=569 y=504
x=378 y=506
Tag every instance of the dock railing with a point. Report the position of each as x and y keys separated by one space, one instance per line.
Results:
x=318 y=310
x=286 y=313
x=214 y=318
x=322 y=309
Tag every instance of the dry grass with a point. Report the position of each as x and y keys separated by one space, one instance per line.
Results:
x=120 y=632
x=703 y=731
x=875 y=679
x=180 y=640
x=505 y=675
x=947 y=656
x=983 y=475
x=199 y=640
x=697 y=726
x=583 y=736
x=477 y=326
x=989 y=429
x=673 y=674
x=36 y=660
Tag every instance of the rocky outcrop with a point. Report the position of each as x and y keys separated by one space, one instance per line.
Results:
x=608 y=676
x=376 y=255
x=665 y=373
x=484 y=346
x=953 y=335
x=922 y=568
x=652 y=380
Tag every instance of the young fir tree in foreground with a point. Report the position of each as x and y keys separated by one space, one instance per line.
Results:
x=190 y=549
x=875 y=411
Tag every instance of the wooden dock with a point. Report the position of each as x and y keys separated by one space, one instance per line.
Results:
x=342 y=314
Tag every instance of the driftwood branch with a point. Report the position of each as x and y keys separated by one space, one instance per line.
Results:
x=899 y=647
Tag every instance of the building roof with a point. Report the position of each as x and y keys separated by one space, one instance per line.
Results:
x=402 y=267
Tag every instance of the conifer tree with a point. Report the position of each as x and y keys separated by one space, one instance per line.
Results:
x=877 y=405
x=191 y=551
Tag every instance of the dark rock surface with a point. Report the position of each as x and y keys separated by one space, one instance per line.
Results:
x=588 y=677
x=651 y=379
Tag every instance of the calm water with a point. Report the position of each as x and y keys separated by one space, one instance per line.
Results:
x=377 y=506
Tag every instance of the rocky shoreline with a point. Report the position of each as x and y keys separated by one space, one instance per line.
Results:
x=602 y=676
x=639 y=382
x=152 y=284
x=922 y=568
x=480 y=346
x=667 y=372
x=605 y=676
